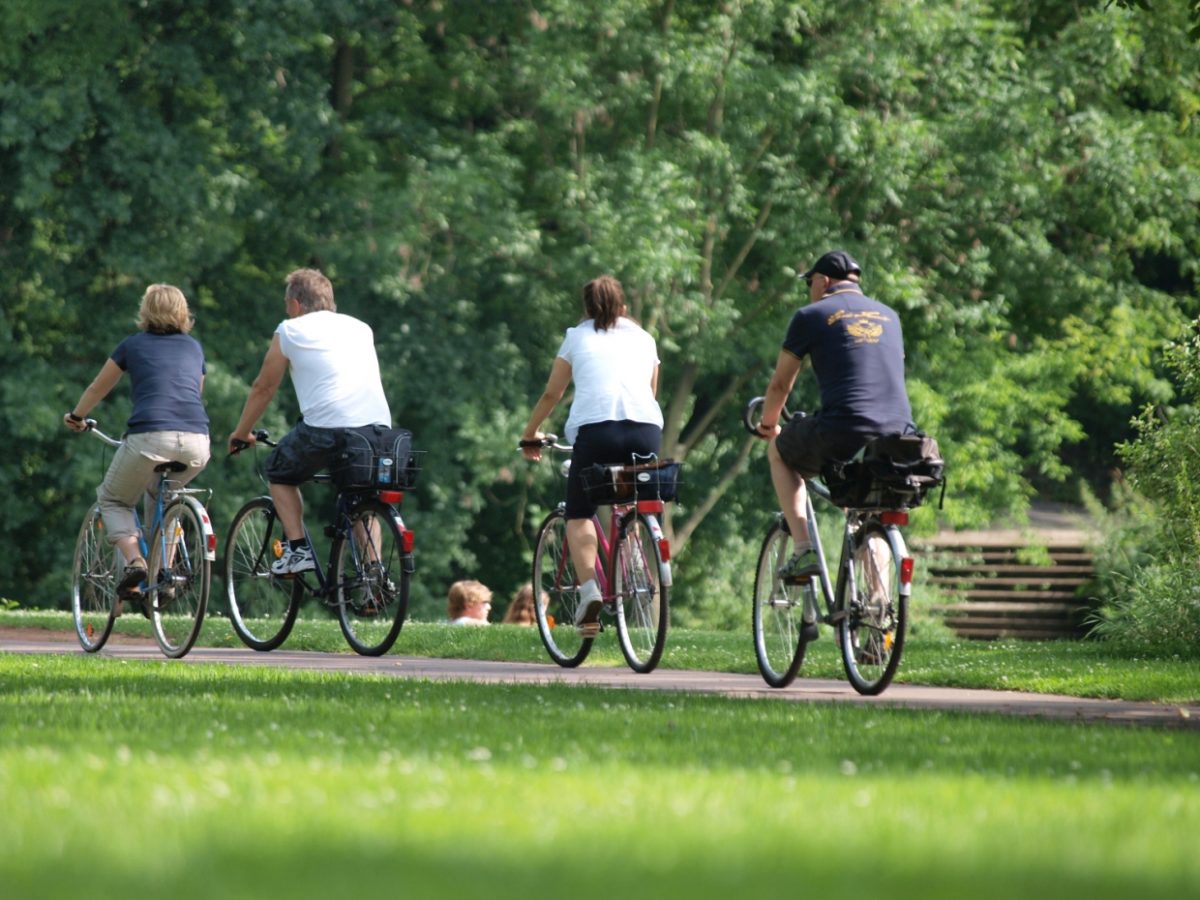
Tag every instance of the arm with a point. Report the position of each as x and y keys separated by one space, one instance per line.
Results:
x=270 y=376
x=654 y=381
x=556 y=386
x=787 y=367
x=106 y=379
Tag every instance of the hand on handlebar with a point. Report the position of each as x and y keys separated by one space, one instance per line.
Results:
x=531 y=448
x=77 y=425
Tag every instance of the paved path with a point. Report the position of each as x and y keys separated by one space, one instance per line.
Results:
x=803 y=690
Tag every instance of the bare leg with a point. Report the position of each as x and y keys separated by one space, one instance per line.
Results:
x=581 y=535
x=792 y=496
x=129 y=548
x=289 y=506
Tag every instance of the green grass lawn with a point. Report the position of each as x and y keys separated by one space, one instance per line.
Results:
x=1075 y=668
x=132 y=778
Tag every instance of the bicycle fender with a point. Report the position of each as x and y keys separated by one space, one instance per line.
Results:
x=210 y=536
x=656 y=532
x=900 y=552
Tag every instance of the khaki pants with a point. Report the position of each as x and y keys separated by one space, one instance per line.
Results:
x=131 y=475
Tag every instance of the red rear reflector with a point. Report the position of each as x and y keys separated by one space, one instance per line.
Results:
x=664 y=550
x=649 y=506
x=906 y=570
x=392 y=497
x=894 y=517
x=407 y=539
x=212 y=543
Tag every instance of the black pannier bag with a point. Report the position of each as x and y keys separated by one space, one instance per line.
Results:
x=605 y=484
x=375 y=456
x=895 y=471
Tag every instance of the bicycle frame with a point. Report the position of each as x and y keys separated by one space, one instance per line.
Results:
x=165 y=495
x=605 y=542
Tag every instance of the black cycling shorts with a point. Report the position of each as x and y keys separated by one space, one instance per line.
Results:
x=611 y=443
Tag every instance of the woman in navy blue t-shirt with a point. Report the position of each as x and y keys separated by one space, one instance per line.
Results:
x=168 y=422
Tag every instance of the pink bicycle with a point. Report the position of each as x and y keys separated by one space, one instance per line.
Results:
x=633 y=571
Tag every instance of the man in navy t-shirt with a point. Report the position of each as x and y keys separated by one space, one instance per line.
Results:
x=856 y=348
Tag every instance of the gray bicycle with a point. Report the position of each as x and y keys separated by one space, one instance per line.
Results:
x=867 y=607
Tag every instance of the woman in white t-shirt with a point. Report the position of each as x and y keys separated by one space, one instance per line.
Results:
x=614 y=365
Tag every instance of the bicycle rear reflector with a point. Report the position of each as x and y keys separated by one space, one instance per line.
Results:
x=649 y=506
x=894 y=517
x=392 y=497
x=664 y=549
x=407 y=539
x=906 y=570
x=212 y=542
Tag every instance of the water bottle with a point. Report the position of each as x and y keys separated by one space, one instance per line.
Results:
x=384 y=474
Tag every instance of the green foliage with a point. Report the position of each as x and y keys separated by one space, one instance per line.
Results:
x=1019 y=178
x=1151 y=572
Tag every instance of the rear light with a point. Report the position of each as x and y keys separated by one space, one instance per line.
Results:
x=664 y=549
x=649 y=506
x=906 y=570
x=894 y=517
x=407 y=539
x=392 y=497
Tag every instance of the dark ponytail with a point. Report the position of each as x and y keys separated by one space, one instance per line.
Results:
x=603 y=301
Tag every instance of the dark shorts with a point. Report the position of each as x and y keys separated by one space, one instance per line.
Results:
x=805 y=446
x=611 y=443
x=303 y=452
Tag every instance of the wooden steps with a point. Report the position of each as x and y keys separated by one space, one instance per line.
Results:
x=1020 y=584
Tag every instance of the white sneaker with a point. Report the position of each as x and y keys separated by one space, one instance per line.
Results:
x=587 y=613
x=294 y=561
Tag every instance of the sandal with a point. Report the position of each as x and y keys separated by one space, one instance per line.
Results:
x=131 y=584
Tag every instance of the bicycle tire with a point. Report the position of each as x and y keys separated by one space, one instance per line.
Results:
x=372 y=578
x=778 y=615
x=874 y=620
x=94 y=582
x=262 y=607
x=641 y=593
x=180 y=575
x=554 y=577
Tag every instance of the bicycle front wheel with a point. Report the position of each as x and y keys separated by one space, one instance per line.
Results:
x=779 y=612
x=554 y=577
x=372 y=572
x=640 y=589
x=262 y=607
x=874 y=611
x=180 y=575
x=94 y=585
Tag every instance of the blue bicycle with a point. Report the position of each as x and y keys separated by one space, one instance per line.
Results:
x=180 y=553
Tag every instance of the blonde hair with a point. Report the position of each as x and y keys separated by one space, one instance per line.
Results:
x=311 y=289
x=463 y=594
x=521 y=611
x=164 y=310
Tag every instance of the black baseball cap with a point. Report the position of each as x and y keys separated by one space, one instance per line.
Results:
x=835 y=264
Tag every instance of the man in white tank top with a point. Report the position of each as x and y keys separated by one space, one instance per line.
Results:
x=335 y=372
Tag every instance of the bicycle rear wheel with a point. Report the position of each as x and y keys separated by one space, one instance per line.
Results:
x=94 y=585
x=372 y=572
x=262 y=607
x=640 y=592
x=180 y=575
x=554 y=577
x=779 y=612
x=871 y=632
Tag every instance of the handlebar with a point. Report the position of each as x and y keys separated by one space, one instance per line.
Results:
x=261 y=436
x=546 y=440
x=91 y=426
x=754 y=409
